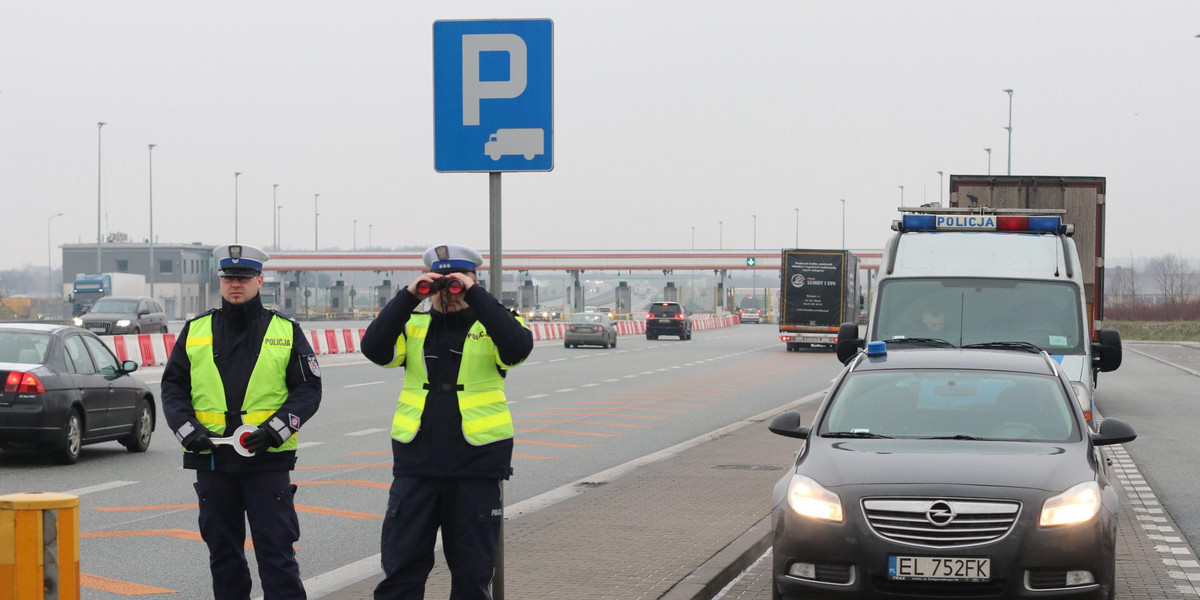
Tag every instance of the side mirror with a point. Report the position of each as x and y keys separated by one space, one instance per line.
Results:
x=848 y=342
x=787 y=424
x=129 y=366
x=1113 y=431
x=1106 y=351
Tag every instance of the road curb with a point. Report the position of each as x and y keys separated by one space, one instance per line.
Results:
x=717 y=572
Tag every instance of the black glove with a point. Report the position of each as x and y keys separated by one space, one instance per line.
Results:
x=260 y=439
x=198 y=441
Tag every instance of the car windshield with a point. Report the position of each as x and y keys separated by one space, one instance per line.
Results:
x=114 y=305
x=23 y=347
x=665 y=310
x=943 y=404
x=586 y=318
x=975 y=311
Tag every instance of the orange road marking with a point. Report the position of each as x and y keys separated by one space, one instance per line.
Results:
x=549 y=444
x=600 y=414
x=569 y=432
x=335 y=512
x=155 y=507
x=535 y=457
x=627 y=425
x=348 y=482
x=121 y=588
x=340 y=466
x=661 y=410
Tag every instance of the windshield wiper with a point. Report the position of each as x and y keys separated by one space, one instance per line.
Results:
x=1026 y=346
x=856 y=434
x=960 y=436
x=921 y=341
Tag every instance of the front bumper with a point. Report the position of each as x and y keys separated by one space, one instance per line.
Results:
x=851 y=561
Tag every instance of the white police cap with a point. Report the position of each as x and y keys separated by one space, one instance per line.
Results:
x=239 y=260
x=452 y=257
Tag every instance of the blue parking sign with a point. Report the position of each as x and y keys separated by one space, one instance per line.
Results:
x=493 y=95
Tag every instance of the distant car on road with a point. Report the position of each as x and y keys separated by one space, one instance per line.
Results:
x=116 y=315
x=937 y=473
x=749 y=311
x=590 y=328
x=65 y=389
x=668 y=318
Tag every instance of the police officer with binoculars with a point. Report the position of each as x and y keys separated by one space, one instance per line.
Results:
x=452 y=432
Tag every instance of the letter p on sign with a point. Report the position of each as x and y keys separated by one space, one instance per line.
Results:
x=474 y=90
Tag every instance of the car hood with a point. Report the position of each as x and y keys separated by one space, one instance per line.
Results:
x=1044 y=466
x=107 y=317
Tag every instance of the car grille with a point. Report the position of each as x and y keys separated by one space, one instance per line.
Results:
x=940 y=523
x=98 y=328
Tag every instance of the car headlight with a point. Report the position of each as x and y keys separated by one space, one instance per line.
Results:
x=807 y=498
x=77 y=321
x=1078 y=504
x=123 y=323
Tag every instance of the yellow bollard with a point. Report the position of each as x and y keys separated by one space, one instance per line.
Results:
x=39 y=546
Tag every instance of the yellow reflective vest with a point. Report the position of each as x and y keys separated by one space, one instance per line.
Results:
x=266 y=391
x=481 y=400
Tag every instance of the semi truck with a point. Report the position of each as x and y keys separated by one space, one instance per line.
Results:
x=818 y=292
x=88 y=288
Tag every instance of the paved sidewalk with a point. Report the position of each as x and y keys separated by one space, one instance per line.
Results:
x=671 y=529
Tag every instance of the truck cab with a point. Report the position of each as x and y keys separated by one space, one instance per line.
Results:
x=970 y=277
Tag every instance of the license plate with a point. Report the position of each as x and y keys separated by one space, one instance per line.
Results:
x=813 y=338
x=943 y=568
x=97 y=328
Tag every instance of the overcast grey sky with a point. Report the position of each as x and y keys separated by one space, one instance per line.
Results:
x=668 y=115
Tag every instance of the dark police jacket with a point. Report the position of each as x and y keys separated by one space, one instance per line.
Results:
x=238 y=332
x=439 y=448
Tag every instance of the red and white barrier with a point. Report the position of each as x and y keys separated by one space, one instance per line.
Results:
x=153 y=349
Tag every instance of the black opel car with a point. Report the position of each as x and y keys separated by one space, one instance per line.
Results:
x=964 y=473
x=63 y=389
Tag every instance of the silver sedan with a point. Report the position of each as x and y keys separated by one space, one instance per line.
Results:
x=590 y=328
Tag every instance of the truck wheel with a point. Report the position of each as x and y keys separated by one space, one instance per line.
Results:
x=67 y=452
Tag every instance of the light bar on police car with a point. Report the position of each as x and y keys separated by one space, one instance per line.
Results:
x=1007 y=223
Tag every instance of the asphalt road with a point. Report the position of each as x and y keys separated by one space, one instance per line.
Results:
x=577 y=412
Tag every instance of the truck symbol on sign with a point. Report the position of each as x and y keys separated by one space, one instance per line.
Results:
x=507 y=142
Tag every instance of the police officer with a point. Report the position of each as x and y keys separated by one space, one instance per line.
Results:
x=452 y=431
x=243 y=364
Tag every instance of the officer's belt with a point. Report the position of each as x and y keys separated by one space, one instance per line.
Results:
x=444 y=387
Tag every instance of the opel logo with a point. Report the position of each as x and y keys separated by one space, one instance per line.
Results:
x=940 y=514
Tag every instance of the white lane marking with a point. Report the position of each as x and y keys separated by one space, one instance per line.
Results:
x=354 y=385
x=536 y=396
x=308 y=444
x=610 y=380
x=98 y=487
x=528 y=364
x=629 y=376
x=558 y=359
x=589 y=385
x=564 y=390
x=365 y=432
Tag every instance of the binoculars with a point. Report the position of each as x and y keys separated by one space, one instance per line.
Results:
x=450 y=284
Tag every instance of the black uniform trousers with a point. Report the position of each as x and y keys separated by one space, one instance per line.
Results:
x=227 y=501
x=468 y=510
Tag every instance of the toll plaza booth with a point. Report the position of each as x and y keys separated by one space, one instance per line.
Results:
x=383 y=294
x=339 y=297
x=624 y=295
x=291 y=297
x=528 y=297
x=670 y=292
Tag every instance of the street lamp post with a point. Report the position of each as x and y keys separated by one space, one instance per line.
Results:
x=150 y=268
x=989 y=151
x=369 y=244
x=99 y=239
x=692 y=275
x=721 y=235
x=235 y=207
x=316 y=216
x=1009 y=128
x=797 y=227
x=901 y=196
x=275 y=216
x=278 y=225
x=50 y=258
x=354 y=245
x=843 y=223
x=940 y=184
x=753 y=272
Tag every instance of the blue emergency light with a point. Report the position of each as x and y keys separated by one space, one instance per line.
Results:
x=875 y=349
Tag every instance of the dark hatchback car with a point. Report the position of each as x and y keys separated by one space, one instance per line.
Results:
x=119 y=315
x=65 y=389
x=668 y=318
x=964 y=473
